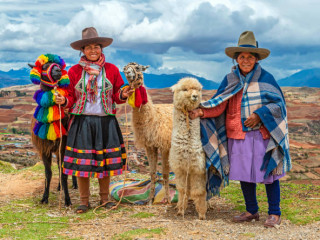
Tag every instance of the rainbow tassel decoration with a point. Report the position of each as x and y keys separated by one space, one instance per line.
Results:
x=47 y=112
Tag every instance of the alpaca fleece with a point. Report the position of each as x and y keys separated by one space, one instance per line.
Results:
x=187 y=158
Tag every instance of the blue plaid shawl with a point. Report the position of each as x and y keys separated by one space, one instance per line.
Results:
x=261 y=95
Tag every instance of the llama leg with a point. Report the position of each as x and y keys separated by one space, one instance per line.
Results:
x=198 y=193
x=64 y=179
x=165 y=174
x=74 y=182
x=48 y=172
x=152 y=154
x=181 y=184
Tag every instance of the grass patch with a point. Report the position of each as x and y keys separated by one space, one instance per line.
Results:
x=6 y=167
x=142 y=215
x=248 y=235
x=27 y=220
x=141 y=233
x=300 y=203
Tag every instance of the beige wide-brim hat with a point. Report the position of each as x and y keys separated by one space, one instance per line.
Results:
x=247 y=43
x=90 y=36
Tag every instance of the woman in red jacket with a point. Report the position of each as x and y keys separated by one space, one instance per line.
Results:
x=95 y=144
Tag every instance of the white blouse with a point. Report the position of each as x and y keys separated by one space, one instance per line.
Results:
x=95 y=108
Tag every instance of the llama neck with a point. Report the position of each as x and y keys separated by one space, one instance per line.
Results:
x=145 y=110
x=183 y=124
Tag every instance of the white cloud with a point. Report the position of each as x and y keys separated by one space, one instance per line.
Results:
x=188 y=35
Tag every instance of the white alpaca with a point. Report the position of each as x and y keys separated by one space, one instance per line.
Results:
x=187 y=158
x=152 y=127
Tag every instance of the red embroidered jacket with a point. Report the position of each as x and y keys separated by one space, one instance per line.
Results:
x=110 y=92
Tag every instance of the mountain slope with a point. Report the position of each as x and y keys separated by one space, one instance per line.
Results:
x=304 y=78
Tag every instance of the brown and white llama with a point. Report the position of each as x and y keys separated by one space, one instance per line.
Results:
x=49 y=122
x=152 y=127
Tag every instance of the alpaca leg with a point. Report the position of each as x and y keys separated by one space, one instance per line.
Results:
x=152 y=154
x=198 y=193
x=182 y=186
x=165 y=174
x=48 y=172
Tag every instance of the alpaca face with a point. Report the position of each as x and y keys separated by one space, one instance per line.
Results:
x=134 y=74
x=187 y=94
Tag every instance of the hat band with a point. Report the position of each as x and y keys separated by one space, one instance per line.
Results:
x=247 y=45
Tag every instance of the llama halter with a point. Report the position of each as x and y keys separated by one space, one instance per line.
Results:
x=47 y=113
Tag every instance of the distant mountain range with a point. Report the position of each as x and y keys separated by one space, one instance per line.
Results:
x=21 y=77
x=304 y=78
x=168 y=80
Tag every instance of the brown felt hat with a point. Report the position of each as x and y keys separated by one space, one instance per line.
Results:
x=247 y=43
x=89 y=36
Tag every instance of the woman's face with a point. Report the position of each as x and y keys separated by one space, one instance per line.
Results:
x=92 y=52
x=246 y=62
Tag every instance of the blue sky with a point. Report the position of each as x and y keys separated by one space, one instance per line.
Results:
x=169 y=35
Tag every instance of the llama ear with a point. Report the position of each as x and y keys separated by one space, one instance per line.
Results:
x=31 y=65
x=143 y=68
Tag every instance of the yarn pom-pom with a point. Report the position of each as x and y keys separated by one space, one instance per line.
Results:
x=35 y=76
x=36 y=112
x=42 y=133
x=51 y=133
x=57 y=129
x=47 y=99
x=36 y=128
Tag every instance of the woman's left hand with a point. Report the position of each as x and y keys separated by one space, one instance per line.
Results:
x=252 y=120
x=126 y=92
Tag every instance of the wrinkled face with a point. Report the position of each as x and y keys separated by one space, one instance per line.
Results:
x=187 y=94
x=92 y=52
x=134 y=75
x=246 y=62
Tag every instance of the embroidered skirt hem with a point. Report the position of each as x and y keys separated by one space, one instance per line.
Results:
x=94 y=148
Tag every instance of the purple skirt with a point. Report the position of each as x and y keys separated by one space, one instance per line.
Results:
x=246 y=158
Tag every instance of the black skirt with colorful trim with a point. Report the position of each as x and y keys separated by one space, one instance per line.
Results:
x=94 y=148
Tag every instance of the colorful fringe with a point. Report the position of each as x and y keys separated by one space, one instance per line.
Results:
x=35 y=73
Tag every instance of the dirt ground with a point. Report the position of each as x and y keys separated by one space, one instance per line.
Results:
x=218 y=224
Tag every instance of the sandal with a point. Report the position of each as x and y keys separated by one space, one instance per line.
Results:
x=108 y=205
x=83 y=208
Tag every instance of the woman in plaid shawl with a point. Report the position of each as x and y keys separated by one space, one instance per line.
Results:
x=244 y=131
